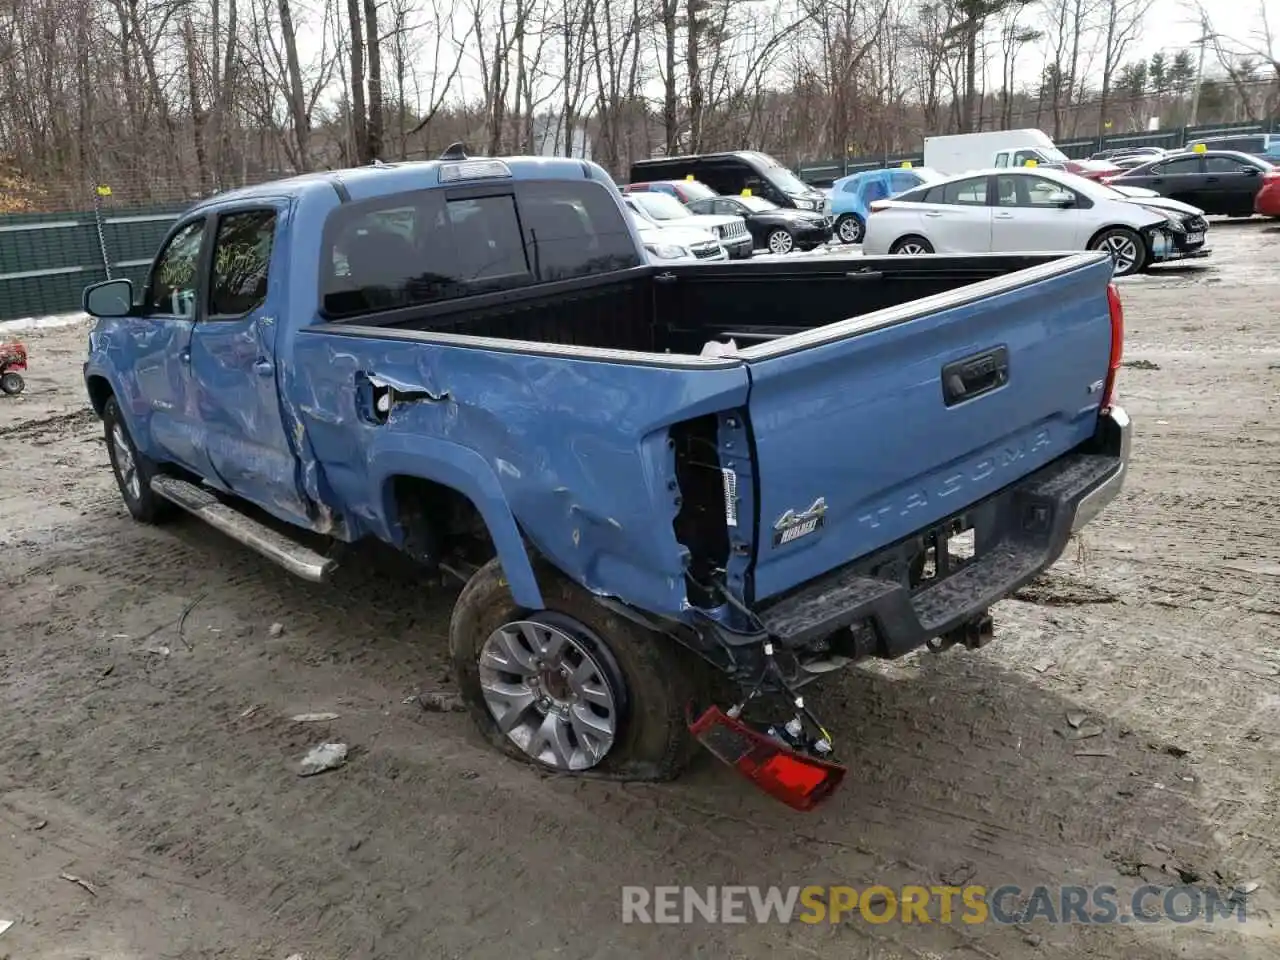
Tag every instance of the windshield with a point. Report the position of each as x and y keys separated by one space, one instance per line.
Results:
x=757 y=204
x=697 y=191
x=780 y=176
x=661 y=207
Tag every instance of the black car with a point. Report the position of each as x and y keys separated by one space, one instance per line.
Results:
x=1125 y=153
x=1216 y=181
x=780 y=229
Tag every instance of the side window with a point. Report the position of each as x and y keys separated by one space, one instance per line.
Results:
x=173 y=278
x=241 y=257
x=573 y=229
x=903 y=181
x=972 y=193
x=1222 y=165
x=486 y=238
x=1179 y=165
x=1022 y=156
x=1002 y=158
x=1040 y=192
x=874 y=190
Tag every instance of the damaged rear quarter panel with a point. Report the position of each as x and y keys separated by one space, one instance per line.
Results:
x=574 y=449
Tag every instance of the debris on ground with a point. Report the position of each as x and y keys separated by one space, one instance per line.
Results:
x=83 y=884
x=158 y=651
x=5 y=925
x=1076 y=717
x=441 y=702
x=313 y=717
x=327 y=756
x=275 y=630
x=249 y=711
x=1141 y=365
x=1242 y=890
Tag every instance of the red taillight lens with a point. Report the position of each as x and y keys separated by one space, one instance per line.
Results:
x=878 y=205
x=1117 y=345
x=798 y=781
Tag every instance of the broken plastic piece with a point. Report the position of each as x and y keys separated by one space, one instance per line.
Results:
x=799 y=781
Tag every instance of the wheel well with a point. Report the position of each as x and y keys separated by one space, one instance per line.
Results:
x=910 y=236
x=99 y=393
x=438 y=522
x=1112 y=226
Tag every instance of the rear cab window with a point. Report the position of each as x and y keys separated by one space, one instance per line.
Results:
x=430 y=246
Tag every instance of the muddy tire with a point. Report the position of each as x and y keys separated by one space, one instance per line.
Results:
x=133 y=471
x=650 y=679
x=12 y=383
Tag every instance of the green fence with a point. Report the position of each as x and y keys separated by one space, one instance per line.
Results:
x=823 y=173
x=47 y=259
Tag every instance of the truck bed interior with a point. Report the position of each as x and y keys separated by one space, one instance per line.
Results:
x=680 y=309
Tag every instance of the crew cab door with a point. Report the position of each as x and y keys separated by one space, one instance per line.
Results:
x=234 y=368
x=1026 y=219
x=157 y=335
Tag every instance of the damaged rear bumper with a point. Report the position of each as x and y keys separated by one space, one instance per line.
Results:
x=880 y=605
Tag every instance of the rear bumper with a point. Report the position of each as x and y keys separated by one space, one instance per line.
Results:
x=1017 y=533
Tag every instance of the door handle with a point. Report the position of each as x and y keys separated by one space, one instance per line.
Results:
x=1004 y=216
x=1210 y=179
x=933 y=213
x=264 y=368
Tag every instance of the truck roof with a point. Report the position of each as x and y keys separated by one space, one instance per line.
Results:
x=382 y=179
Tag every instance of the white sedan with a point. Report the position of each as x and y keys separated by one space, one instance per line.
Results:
x=1022 y=210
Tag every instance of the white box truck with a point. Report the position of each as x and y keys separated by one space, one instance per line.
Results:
x=962 y=152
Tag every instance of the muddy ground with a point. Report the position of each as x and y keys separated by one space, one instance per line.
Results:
x=146 y=749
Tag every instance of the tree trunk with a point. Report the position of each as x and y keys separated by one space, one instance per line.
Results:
x=198 y=116
x=693 y=30
x=670 y=116
x=297 y=95
x=374 y=150
x=359 y=128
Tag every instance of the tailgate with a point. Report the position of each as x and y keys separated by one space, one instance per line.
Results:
x=868 y=430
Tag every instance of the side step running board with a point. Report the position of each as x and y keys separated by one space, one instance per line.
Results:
x=299 y=560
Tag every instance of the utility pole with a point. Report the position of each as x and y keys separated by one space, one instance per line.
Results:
x=1206 y=34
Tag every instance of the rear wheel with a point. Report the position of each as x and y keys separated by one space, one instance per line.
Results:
x=911 y=246
x=850 y=228
x=1128 y=252
x=132 y=470
x=12 y=383
x=781 y=241
x=573 y=688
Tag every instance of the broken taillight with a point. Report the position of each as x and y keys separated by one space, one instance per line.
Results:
x=878 y=205
x=1117 y=345
x=799 y=781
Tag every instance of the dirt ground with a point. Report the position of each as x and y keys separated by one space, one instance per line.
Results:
x=146 y=747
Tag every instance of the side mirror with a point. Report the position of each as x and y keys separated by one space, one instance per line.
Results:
x=1062 y=200
x=111 y=298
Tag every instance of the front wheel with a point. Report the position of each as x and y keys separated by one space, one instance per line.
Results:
x=1128 y=252
x=911 y=246
x=781 y=241
x=132 y=470
x=573 y=688
x=12 y=383
x=850 y=228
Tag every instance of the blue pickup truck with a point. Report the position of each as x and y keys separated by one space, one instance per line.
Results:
x=674 y=495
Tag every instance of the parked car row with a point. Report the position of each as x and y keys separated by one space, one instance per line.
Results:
x=1227 y=182
x=743 y=200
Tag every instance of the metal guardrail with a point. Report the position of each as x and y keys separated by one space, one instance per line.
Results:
x=823 y=172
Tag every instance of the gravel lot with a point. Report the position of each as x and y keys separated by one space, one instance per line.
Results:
x=147 y=749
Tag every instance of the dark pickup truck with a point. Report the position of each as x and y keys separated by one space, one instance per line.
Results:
x=471 y=360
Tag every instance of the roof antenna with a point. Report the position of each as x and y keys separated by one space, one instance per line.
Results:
x=456 y=151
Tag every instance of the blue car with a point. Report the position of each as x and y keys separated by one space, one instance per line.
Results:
x=852 y=196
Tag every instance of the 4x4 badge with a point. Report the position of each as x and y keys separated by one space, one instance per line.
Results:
x=791 y=526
